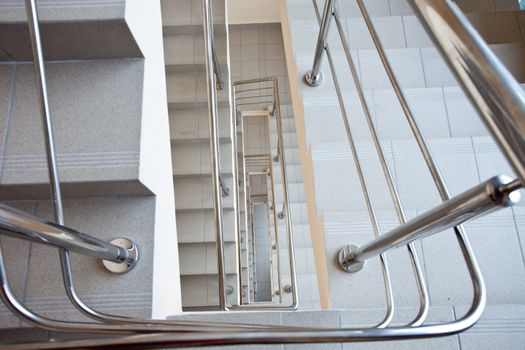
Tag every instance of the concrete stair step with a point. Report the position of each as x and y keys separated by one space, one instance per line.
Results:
x=88 y=100
x=337 y=188
x=198 y=227
x=440 y=257
x=193 y=158
x=397 y=32
x=188 y=90
x=71 y=30
x=186 y=51
x=486 y=333
x=195 y=192
x=414 y=67
x=440 y=111
x=192 y=124
x=201 y=258
x=201 y=292
x=181 y=13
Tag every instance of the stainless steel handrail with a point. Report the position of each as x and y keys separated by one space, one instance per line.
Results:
x=217 y=68
x=277 y=111
x=478 y=201
x=267 y=157
x=214 y=149
x=19 y=224
x=216 y=65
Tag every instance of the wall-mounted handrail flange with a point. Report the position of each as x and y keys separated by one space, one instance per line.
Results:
x=130 y=263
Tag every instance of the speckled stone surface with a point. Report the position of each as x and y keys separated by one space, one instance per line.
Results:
x=70 y=30
x=105 y=218
x=96 y=109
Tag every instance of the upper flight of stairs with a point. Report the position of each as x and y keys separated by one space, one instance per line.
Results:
x=100 y=77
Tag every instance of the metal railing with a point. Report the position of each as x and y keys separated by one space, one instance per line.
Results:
x=492 y=89
x=264 y=161
x=263 y=94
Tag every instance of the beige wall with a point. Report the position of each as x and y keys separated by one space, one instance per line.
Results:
x=253 y=11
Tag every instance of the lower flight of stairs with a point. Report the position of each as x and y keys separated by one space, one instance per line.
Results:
x=463 y=148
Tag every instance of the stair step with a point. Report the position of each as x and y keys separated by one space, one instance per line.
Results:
x=71 y=30
x=194 y=124
x=398 y=32
x=87 y=100
x=201 y=258
x=177 y=13
x=414 y=68
x=440 y=112
x=35 y=268
x=337 y=189
x=187 y=50
x=203 y=291
x=189 y=90
x=195 y=192
x=195 y=227
x=193 y=158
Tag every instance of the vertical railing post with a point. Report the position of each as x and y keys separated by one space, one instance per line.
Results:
x=314 y=76
x=214 y=149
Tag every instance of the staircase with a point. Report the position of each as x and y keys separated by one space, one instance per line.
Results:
x=121 y=177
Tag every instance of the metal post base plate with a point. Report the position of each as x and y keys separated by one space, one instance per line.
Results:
x=313 y=80
x=127 y=266
x=345 y=262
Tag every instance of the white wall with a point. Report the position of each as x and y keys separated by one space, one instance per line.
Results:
x=253 y=11
x=144 y=19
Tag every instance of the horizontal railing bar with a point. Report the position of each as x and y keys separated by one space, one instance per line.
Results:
x=254 y=103
x=478 y=201
x=259 y=155
x=252 y=97
x=291 y=254
x=21 y=225
x=255 y=89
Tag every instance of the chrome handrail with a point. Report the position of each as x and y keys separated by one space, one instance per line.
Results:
x=215 y=159
x=18 y=224
x=216 y=65
x=268 y=158
x=498 y=192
